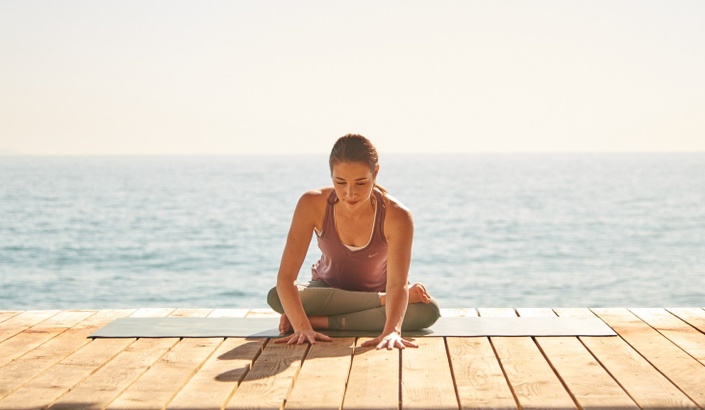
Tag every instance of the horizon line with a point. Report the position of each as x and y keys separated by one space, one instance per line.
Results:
x=382 y=154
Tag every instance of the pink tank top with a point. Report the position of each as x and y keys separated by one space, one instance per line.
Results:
x=360 y=270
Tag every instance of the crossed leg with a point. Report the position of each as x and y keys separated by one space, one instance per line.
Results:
x=329 y=308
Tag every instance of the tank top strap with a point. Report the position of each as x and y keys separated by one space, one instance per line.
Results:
x=328 y=218
x=381 y=214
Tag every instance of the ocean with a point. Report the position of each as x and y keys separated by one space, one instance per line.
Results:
x=491 y=230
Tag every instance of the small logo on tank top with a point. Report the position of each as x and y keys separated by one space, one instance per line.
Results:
x=373 y=255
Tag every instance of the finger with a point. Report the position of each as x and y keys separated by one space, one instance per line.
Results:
x=325 y=338
x=283 y=339
x=371 y=342
x=410 y=344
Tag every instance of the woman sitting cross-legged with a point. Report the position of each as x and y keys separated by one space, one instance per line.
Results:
x=361 y=280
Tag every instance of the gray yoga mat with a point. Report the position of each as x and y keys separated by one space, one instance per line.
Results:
x=267 y=327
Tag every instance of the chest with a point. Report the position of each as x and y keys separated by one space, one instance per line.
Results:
x=355 y=232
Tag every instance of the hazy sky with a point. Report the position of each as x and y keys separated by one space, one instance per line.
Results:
x=236 y=77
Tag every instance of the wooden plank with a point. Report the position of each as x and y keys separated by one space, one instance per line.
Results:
x=374 y=379
x=155 y=388
x=682 y=369
x=184 y=312
x=36 y=361
x=267 y=384
x=644 y=384
x=22 y=322
x=39 y=334
x=50 y=385
x=458 y=312
x=426 y=380
x=153 y=312
x=532 y=379
x=693 y=316
x=263 y=313
x=590 y=385
x=676 y=330
x=220 y=375
x=215 y=381
x=109 y=380
x=7 y=314
x=478 y=376
x=229 y=313
x=324 y=371
x=158 y=385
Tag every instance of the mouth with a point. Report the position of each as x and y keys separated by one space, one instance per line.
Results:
x=353 y=203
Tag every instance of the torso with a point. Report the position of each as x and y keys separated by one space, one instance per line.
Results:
x=354 y=251
x=353 y=232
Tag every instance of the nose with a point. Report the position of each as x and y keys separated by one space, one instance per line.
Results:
x=350 y=191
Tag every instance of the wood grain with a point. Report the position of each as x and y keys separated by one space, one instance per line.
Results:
x=676 y=330
x=325 y=372
x=38 y=360
x=656 y=362
x=374 y=379
x=157 y=386
x=693 y=316
x=478 y=375
x=670 y=360
x=590 y=385
x=39 y=334
x=110 y=379
x=19 y=323
x=644 y=384
x=533 y=381
x=217 y=379
x=426 y=380
x=267 y=384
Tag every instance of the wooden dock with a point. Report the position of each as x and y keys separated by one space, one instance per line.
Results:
x=656 y=362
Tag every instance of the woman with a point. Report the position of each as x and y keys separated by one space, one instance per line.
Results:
x=361 y=280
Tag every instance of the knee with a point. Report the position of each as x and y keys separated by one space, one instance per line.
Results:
x=274 y=302
x=422 y=315
x=431 y=313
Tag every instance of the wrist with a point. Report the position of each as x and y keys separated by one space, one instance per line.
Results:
x=386 y=331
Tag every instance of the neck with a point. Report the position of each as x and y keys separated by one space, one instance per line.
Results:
x=362 y=211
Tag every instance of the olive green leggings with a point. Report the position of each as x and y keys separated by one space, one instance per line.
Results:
x=350 y=310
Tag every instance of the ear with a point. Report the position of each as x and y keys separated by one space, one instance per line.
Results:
x=376 y=171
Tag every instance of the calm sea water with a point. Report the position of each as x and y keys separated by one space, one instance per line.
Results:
x=491 y=230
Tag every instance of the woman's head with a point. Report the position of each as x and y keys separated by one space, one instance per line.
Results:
x=354 y=165
x=354 y=148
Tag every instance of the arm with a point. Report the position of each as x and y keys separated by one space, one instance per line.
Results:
x=297 y=243
x=400 y=232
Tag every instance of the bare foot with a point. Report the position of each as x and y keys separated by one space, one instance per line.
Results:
x=418 y=294
x=284 y=325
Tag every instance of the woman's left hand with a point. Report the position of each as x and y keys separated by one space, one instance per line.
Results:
x=389 y=341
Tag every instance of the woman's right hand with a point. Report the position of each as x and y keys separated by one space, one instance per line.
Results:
x=303 y=336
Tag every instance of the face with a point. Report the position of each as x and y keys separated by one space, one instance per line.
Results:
x=353 y=183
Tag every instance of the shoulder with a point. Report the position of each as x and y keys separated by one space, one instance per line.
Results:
x=314 y=201
x=398 y=217
x=315 y=196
